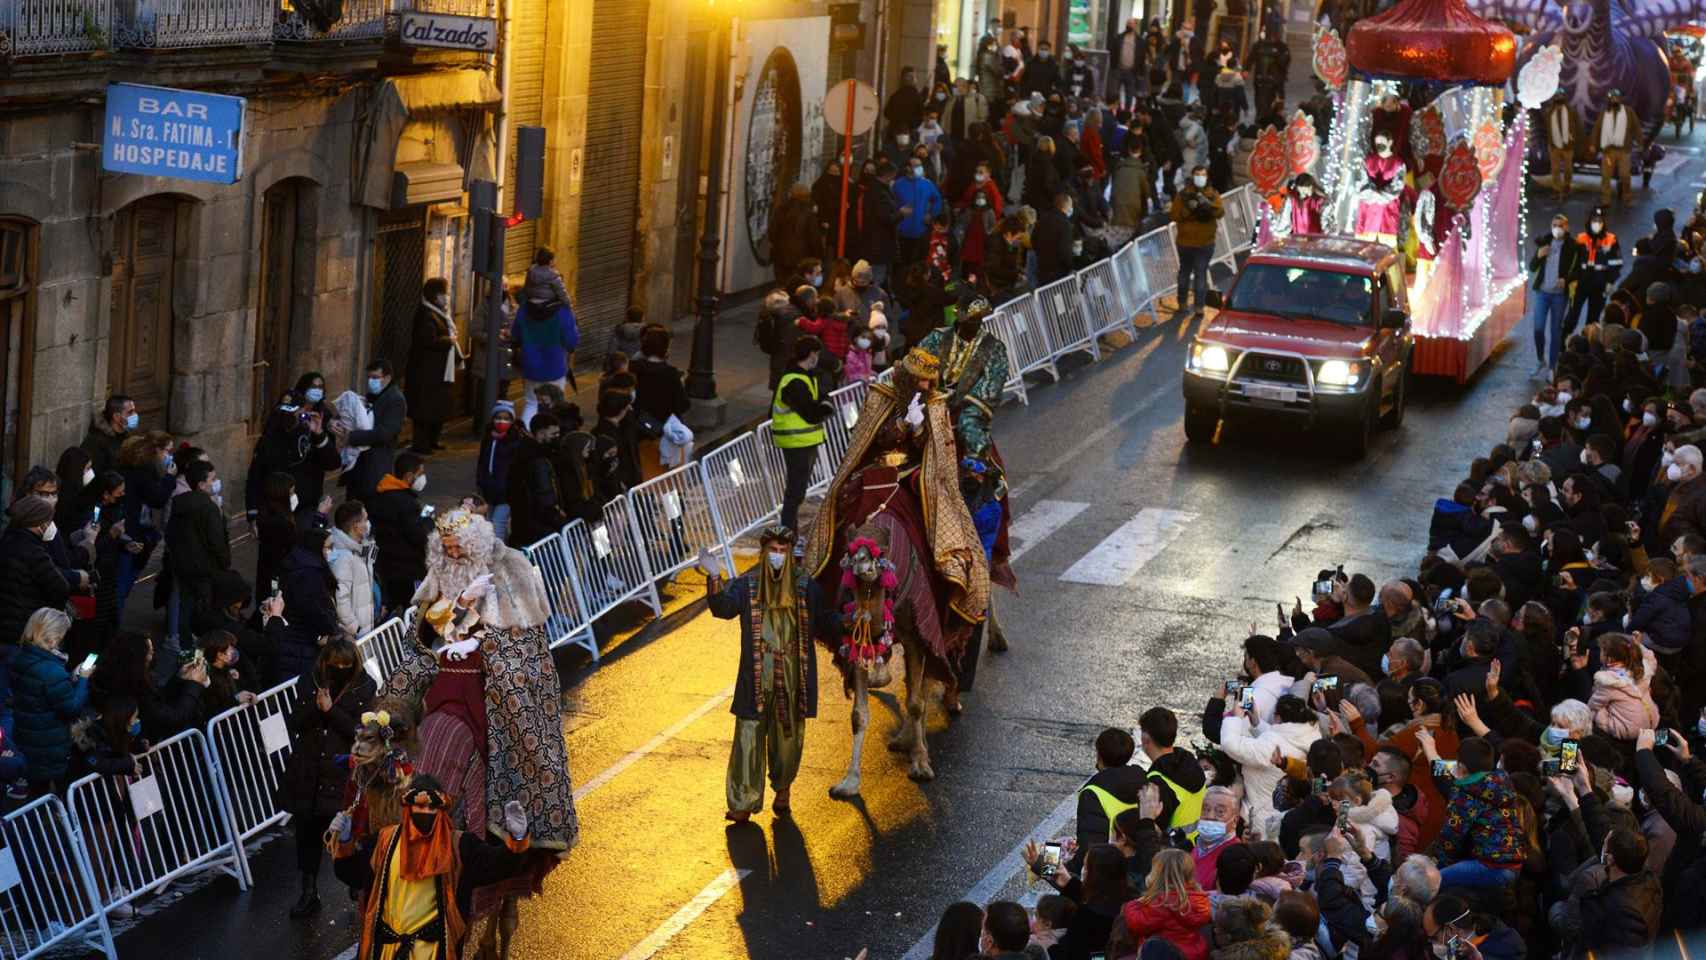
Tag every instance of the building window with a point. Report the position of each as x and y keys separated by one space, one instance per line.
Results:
x=14 y=259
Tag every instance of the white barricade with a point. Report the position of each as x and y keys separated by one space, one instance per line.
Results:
x=48 y=897
x=1160 y=262
x=1068 y=326
x=673 y=515
x=838 y=429
x=384 y=648
x=613 y=568
x=1236 y=229
x=251 y=745
x=776 y=468
x=1030 y=350
x=568 y=622
x=1105 y=304
x=1001 y=324
x=1132 y=278
x=735 y=477
x=167 y=821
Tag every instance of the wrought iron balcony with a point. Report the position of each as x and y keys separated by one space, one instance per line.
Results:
x=34 y=28
x=358 y=20
x=192 y=23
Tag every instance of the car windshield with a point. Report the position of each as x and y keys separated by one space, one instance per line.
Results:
x=1300 y=293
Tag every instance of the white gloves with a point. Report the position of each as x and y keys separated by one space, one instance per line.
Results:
x=461 y=648
x=480 y=587
x=915 y=411
x=340 y=827
x=709 y=565
x=515 y=820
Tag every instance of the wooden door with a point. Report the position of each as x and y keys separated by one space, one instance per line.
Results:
x=144 y=259
x=17 y=349
x=279 y=265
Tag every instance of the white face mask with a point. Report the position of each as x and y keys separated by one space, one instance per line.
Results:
x=1597 y=226
x=217 y=487
x=294 y=503
x=864 y=343
x=903 y=139
x=1530 y=524
x=419 y=484
x=1200 y=181
x=1582 y=423
x=1584 y=459
x=1673 y=473
x=1650 y=420
x=88 y=475
x=1305 y=191
x=1649 y=584
x=776 y=559
x=1565 y=396
x=51 y=531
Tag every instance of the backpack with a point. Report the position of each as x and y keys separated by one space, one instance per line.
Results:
x=765 y=336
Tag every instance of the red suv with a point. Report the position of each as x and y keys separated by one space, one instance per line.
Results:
x=1314 y=330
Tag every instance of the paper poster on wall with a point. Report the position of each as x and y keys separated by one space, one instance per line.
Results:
x=775 y=137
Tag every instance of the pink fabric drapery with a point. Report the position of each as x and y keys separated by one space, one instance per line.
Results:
x=1441 y=306
x=1507 y=243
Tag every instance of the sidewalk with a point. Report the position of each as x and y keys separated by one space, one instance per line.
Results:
x=742 y=381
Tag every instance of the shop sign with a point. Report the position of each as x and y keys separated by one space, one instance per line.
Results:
x=183 y=134
x=451 y=32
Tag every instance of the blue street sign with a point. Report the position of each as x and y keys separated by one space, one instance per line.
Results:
x=164 y=132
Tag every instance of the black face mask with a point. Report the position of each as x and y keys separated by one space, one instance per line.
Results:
x=967 y=330
x=423 y=821
x=338 y=677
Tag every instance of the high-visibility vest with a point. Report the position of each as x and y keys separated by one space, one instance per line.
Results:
x=1189 y=809
x=1112 y=806
x=787 y=426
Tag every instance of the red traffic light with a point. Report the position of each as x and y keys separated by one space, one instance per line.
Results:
x=515 y=218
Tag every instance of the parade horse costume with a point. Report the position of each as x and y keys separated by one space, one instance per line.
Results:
x=922 y=584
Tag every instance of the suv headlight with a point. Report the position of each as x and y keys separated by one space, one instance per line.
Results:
x=1209 y=358
x=1339 y=373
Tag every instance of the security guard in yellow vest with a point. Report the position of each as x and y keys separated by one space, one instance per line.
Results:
x=796 y=424
x=1176 y=771
x=1113 y=789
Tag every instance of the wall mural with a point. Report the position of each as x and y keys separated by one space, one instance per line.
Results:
x=772 y=147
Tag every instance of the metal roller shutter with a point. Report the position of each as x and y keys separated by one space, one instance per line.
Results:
x=611 y=178
x=526 y=109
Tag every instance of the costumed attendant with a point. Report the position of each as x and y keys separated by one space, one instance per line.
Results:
x=1614 y=133
x=1379 y=191
x=1430 y=229
x=1301 y=213
x=1603 y=265
x=780 y=608
x=1561 y=129
x=420 y=875
x=1391 y=116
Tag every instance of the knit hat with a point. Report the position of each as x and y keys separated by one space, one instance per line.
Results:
x=30 y=512
x=504 y=406
x=862 y=272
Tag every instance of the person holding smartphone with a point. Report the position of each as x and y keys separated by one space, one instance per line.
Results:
x=1482 y=843
x=47 y=695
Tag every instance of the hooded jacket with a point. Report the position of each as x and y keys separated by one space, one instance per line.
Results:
x=1623 y=706
x=1243 y=930
x=1663 y=615
x=1483 y=821
x=1254 y=753
x=1178 y=924
x=45 y=699
x=352 y=565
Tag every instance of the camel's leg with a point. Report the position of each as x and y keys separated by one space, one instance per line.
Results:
x=907 y=734
x=997 y=637
x=508 y=917
x=849 y=785
x=488 y=941
x=915 y=709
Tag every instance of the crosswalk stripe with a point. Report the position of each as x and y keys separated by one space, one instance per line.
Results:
x=1035 y=524
x=1123 y=553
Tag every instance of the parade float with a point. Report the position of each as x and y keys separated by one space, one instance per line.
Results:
x=1427 y=78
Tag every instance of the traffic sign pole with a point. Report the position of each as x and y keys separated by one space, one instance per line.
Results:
x=846 y=176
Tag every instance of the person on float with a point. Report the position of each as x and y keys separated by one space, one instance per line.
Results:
x=1431 y=224
x=1603 y=265
x=1301 y=213
x=1379 y=190
x=1391 y=116
x=780 y=608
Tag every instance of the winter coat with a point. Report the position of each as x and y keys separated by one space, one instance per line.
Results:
x=925 y=201
x=1623 y=706
x=93 y=753
x=32 y=581
x=876 y=217
x=310 y=607
x=389 y=408
x=1052 y=241
x=1042 y=181
x=1663 y=615
x=352 y=565
x=1195 y=212
x=795 y=234
x=1619 y=915
x=1123 y=782
x=1243 y=930
x=287 y=446
x=658 y=389
x=1180 y=927
x=314 y=779
x=46 y=698
x=198 y=544
x=1254 y=753
x=400 y=532
x=275 y=537
x=102 y=445
x=429 y=350
x=1684 y=511
x=1130 y=192
x=491 y=473
x=1483 y=821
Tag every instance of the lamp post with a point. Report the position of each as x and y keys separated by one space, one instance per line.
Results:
x=707 y=408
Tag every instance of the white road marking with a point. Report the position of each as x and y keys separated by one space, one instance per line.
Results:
x=689 y=912
x=1004 y=871
x=669 y=733
x=1034 y=525
x=1123 y=553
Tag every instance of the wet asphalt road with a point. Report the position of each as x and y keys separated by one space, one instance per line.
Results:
x=1251 y=520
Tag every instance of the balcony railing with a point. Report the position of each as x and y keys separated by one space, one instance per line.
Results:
x=37 y=28
x=33 y=28
x=192 y=23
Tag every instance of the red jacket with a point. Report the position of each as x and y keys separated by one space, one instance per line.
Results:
x=1090 y=148
x=832 y=330
x=1182 y=930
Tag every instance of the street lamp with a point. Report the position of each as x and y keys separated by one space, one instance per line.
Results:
x=707 y=408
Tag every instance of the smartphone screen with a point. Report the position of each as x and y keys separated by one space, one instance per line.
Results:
x=97 y=517
x=1344 y=815
x=1567 y=756
x=1442 y=768
x=275 y=586
x=89 y=662
x=1323 y=587
x=1247 y=698
x=1051 y=858
x=1661 y=737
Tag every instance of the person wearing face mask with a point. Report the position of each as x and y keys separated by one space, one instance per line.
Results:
x=1379 y=189
x=296 y=439
x=310 y=593
x=1195 y=210
x=1617 y=909
x=198 y=545
x=400 y=530
x=980 y=209
x=1685 y=506
x=497 y=452
x=1600 y=269
x=435 y=355
x=26 y=567
x=1042 y=74
x=1130 y=187
x=905 y=107
x=1557 y=262
x=876 y=215
x=1615 y=131
x=1052 y=239
x=323 y=730
x=1301 y=215
x=352 y=556
x=782 y=610
x=919 y=201
x=379 y=444
x=115 y=421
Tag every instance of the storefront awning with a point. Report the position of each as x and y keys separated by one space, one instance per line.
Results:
x=398 y=100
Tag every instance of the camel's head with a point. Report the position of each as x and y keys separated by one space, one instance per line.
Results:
x=866 y=565
x=383 y=734
x=866 y=562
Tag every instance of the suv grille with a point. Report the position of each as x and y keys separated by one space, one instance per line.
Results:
x=1266 y=366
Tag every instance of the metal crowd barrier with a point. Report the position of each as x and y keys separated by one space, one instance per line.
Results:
x=614 y=569
x=838 y=429
x=48 y=897
x=1031 y=350
x=739 y=487
x=251 y=745
x=384 y=648
x=167 y=821
x=1160 y=262
x=1061 y=307
x=1131 y=279
x=568 y=622
x=673 y=521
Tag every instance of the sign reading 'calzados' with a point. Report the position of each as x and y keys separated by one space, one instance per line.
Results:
x=474 y=34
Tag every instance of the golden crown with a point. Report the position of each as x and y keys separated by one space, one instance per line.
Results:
x=921 y=363
x=453 y=522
